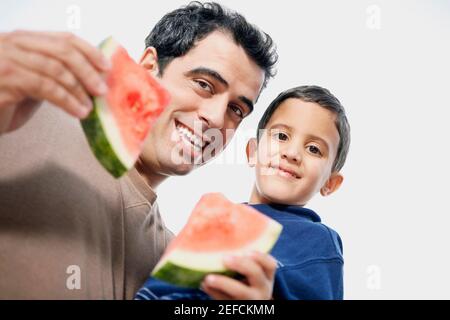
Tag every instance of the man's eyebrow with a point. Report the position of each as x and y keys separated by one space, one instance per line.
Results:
x=218 y=77
x=207 y=72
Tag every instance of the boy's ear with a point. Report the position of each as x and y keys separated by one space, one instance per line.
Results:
x=250 y=150
x=333 y=183
x=149 y=60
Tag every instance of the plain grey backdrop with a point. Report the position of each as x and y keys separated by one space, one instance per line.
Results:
x=388 y=63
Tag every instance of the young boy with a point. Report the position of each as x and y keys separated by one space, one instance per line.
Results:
x=301 y=145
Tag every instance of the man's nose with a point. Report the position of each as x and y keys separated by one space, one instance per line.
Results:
x=213 y=112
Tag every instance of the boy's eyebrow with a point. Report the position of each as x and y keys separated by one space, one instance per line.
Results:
x=309 y=136
x=214 y=74
x=282 y=125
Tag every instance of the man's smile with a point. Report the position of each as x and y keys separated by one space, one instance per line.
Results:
x=192 y=141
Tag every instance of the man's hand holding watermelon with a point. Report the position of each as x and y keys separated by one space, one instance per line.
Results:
x=54 y=66
x=214 y=64
x=259 y=271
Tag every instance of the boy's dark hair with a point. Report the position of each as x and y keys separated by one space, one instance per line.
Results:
x=323 y=98
x=178 y=31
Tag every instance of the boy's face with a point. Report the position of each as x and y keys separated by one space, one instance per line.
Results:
x=295 y=154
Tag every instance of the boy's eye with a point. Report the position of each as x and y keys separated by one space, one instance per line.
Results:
x=314 y=150
x=281 y=136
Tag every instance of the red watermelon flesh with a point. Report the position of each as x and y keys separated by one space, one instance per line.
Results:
x=216 y=228
x=135 y=98
x=121 y=120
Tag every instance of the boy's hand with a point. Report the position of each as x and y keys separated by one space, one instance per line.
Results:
x=257 y=268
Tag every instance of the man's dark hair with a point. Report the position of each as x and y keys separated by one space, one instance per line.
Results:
x=178 y=31
x=323 y=98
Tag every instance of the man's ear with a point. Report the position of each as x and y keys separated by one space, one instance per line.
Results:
x=250 y=150
x=149 y=60
x=333 y=183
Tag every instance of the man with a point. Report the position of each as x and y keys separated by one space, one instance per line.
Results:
x=67 y=228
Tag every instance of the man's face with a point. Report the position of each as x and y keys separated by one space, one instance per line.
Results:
x=212 y=87
x=295 y=153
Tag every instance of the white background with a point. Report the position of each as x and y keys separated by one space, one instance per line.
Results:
x=392 y=73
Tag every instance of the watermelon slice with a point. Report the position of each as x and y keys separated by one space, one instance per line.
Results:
x=216 y=227
x=120 y=120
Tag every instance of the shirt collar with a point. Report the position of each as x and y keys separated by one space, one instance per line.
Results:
x=283 y=209
x=142 y=186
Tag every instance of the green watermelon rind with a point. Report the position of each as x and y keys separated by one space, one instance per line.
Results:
x=95 y=130
x=100 y=145
x=176 y=271
x=185 y=277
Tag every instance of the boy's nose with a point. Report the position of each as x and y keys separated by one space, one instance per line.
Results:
x=291 y=153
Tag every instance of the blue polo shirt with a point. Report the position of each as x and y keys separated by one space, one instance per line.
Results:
x=309 y=256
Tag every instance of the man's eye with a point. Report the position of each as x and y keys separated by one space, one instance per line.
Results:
x=237 y=111
x=314 y=150
x=281 y=136
x=204 y=85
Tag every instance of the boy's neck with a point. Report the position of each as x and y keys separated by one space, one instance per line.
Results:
x=256 y=198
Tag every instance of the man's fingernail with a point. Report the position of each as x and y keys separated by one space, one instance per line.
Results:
x=83 y=111
x=102 y=88
x=88 y=103
x=106 y=65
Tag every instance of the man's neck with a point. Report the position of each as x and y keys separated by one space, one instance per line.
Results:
x=150 y=177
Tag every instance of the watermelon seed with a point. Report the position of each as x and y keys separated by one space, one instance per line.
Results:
x=134 y=100
x=139 y=129
x=135 y=107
